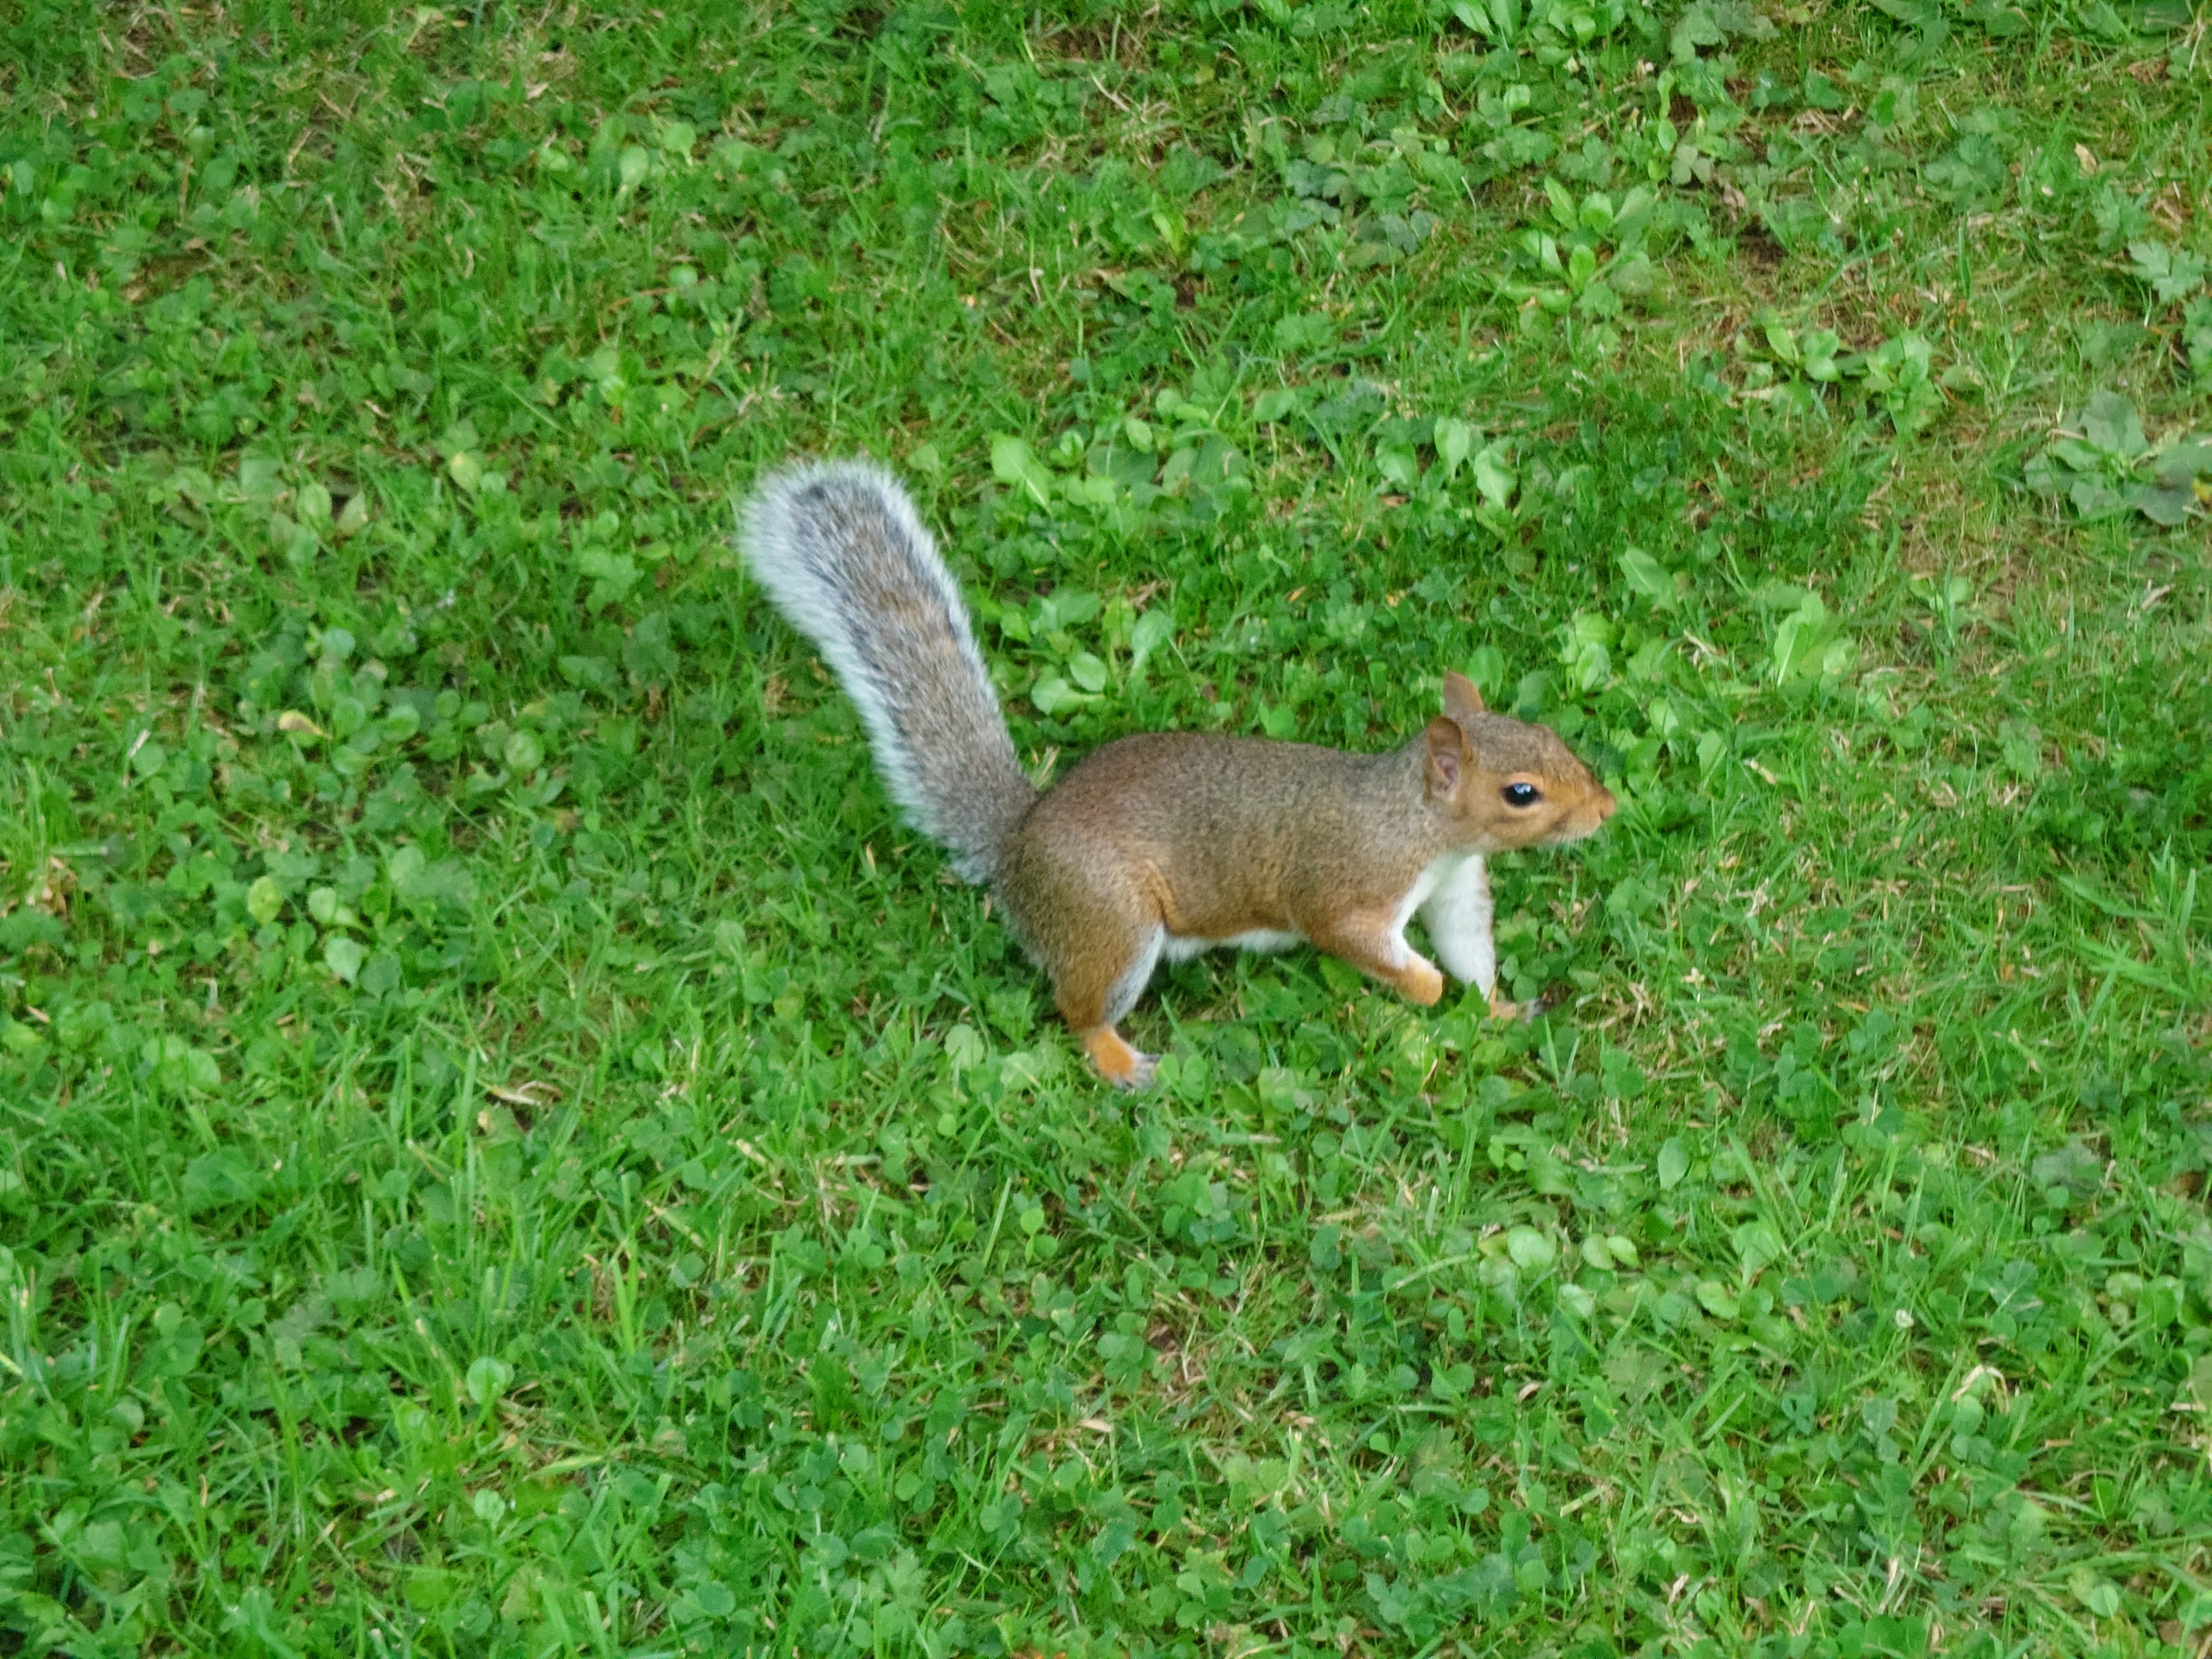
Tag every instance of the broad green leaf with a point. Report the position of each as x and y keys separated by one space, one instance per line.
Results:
x=1804 y=640
x=1455 y=441
x=2184 y=464
x=1818 y=347
x=488 y=1379
x=1308 y=332
x=1053 y=695
x=1154 y=629
x=2167 y=505
x=612 y=576
x=2172 y=274
x=1014 y=463
x=177 y=1064
x=2095 y=499
x=260 y=477
x=343 y=956
x=963 y=1048
x=1582 y=265
x=264 y=900
x=1563 y=205
x=1397 y=464
x=1532 y=1250
x=2110 y=423
x=1717 y=1299
x=223 y=1177
x=1493 y=478
x=1647 y=576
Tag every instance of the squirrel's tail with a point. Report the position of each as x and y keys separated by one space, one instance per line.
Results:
x=843 y=555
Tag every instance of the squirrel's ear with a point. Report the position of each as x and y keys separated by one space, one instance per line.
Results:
x=1461 y=698
x=1447 y=755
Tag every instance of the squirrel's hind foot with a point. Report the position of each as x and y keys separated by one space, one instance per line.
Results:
x=1123 y=1066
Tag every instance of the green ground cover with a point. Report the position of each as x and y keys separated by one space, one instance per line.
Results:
x=507 y=1146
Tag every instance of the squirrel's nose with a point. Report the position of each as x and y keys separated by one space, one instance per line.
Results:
x=1606 y=804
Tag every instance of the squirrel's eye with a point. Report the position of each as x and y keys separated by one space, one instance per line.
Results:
x=1522 y=794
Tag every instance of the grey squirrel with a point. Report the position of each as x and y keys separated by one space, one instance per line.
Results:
x=1165 y=844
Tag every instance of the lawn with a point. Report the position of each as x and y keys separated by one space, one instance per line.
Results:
x=507 y=1145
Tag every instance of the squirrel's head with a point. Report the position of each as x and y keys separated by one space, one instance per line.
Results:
x=1505 y=783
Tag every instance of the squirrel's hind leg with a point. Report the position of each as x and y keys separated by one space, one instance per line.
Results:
x=1095 y=990
x=1090 y=925
x=1094 y=1010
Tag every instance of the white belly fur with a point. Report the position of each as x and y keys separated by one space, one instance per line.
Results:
x=1439 y=874
x=1178 y=947
x=1457 y=910
x=1452 y=898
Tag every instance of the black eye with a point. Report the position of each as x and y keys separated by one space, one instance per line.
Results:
x=1522 y=794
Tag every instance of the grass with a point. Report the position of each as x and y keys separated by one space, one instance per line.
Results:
x=510 y=1148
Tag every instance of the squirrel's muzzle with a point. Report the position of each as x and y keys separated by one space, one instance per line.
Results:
x=1588 y=814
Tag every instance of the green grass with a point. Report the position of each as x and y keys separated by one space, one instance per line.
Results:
x=510 y=1148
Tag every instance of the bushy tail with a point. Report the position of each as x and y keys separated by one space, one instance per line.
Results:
x=839 y=548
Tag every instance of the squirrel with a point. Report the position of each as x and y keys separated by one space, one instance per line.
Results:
x=1165 y=844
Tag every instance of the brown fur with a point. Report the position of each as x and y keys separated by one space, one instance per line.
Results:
x=1211 y=837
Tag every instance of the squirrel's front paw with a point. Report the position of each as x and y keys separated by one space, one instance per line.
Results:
x=1422 y=983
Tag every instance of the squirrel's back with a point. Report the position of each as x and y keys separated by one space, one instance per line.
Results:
x=842 y=553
